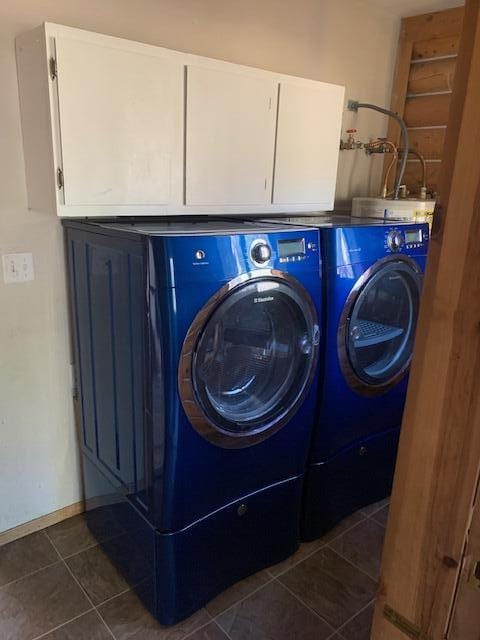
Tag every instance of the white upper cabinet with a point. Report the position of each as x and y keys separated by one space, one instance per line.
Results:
x=308 y=135
x=230 y=137
x=119 y=128
x=120 y=122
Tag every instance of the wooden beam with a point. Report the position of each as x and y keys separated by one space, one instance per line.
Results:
x=439 y=452
x=428 y=141
x=435 y=47
x=429 y=26
x=413 y=175
x=428 y=77
x=424 y=111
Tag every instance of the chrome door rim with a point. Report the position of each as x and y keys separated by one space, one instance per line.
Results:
x=193 y=410
x=353 y=380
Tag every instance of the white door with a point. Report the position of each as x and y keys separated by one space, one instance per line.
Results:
x=120 y=124
x=230 y=137
x=308 y=139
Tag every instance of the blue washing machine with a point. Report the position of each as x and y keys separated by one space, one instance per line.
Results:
x=372 y=277
x=196 y=354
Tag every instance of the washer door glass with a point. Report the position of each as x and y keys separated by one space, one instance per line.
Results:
x=255 y=356
x=380 y=330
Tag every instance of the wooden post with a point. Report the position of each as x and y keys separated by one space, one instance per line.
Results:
x=439 y=455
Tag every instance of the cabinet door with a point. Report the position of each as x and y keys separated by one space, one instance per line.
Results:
x=308 y=139
x=230 y=134
x=120 y=125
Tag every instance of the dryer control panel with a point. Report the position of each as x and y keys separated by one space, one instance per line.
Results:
x=410 y=238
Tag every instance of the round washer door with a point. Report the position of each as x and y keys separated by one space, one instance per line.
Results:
x=377 y=328
x=249 y=358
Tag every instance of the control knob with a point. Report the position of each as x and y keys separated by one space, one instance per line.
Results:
x=395 y=240
x=260 y=253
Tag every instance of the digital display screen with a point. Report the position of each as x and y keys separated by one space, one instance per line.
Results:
x=414 y=235
x=291 y=247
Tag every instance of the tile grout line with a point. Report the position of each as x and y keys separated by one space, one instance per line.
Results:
x=317 y=615
x=81 y=588
x=295 y=564
x=95 y=607
x=229 y=637
x=365 y=573
x=93 y=545
x=117 y=595
x=342 y=626
x=46 y=633
x=273 y=578
x=51 y=564
x=132 y=589
x=28 y=575
x=376 y=521
x=76 y=553
x=215 y=618
x=341 y=533
x=348 y=559
x=322 y=546
x=376 y=510
x=202 y=626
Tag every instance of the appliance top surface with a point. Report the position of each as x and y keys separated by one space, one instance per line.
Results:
x=196 y=227
x=340 y=220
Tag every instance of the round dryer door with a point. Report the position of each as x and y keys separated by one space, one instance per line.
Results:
x=377 y=328
x=249 y=358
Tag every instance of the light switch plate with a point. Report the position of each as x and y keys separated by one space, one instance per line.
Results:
x=17 y=267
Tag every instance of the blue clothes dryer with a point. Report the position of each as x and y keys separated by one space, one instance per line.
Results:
x=196 y=353
x=372 y=277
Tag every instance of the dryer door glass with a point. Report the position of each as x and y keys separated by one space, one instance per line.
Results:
x=380 y=329
x=254 y=357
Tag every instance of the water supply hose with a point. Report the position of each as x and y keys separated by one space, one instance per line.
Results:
x=353 y=105
x=421 y=157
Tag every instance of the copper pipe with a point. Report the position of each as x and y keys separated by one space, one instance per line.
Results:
x=380 y=143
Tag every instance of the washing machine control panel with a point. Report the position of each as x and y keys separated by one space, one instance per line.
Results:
x=395 y=240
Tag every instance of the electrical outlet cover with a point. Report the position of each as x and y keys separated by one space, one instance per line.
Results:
x=17 y=267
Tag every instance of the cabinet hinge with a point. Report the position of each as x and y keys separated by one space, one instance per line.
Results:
x=53 y=68
x=60 y=181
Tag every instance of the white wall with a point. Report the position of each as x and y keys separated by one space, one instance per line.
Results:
x=340 y=41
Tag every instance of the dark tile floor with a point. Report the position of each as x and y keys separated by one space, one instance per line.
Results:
x=57 y=584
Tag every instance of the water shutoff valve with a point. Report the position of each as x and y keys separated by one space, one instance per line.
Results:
x=350 y=143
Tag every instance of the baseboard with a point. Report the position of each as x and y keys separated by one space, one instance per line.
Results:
x=40 y=523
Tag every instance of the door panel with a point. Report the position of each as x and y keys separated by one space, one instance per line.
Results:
x=377 y=328
x=120 y=119
x=308 y=134
x=248 y=360
x=230 y=132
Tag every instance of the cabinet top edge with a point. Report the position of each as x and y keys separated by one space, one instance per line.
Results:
x=185 y=58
